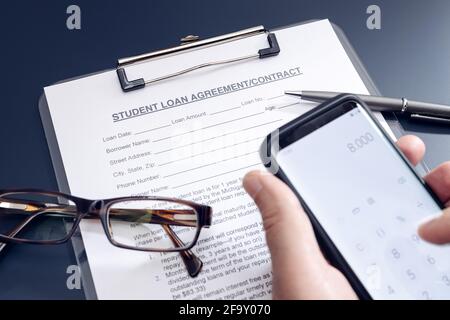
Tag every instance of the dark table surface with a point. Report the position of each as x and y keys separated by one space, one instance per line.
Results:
x=409 y=57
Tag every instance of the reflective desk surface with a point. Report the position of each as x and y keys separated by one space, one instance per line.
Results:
x=407 y=57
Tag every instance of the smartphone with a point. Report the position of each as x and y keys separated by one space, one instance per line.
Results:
x=364 y=198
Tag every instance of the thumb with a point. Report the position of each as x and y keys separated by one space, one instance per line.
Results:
x=438 y=229
x=289 y=233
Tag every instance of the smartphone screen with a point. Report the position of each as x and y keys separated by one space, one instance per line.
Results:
x=370 y=204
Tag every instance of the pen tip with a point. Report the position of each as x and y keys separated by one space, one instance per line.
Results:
x=293 y=93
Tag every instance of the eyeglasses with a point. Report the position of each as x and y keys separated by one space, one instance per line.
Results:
x=151 y=224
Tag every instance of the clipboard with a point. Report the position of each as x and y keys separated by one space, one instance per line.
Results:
x=188 y=43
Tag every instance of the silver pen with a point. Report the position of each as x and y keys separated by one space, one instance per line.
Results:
x=415 y=109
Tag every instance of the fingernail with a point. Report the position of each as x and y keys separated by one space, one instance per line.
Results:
x=252 y=183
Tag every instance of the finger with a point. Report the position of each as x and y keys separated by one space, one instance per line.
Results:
x=437 y=230
x=412 y=147
x=439 y=180
x=289 y=234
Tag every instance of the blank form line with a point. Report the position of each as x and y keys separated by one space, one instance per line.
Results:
x=288 y=105
x=260 y=125
x=210 y=164
x=215 y=176
x=214 y=150
x=154 y=129
x=211 y=126
x=276 y=97
x=222 y=111
x=216 y=137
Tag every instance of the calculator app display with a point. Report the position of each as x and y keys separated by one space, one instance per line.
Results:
x=370 y=204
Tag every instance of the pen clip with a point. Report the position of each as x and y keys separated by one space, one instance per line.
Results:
x=434 y=119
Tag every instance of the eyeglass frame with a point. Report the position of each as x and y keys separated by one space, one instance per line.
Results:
x=100 y=209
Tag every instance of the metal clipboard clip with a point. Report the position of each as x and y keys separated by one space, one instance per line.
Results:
x=191 y=42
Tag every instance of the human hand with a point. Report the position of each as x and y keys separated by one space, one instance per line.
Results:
x=437 y=230
x=300 y=271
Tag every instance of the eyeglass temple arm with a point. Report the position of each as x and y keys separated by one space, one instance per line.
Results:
x=18 y=229
x=165 y=217
x=192 y=263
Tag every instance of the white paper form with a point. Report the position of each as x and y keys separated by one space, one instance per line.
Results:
x=192 y=137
